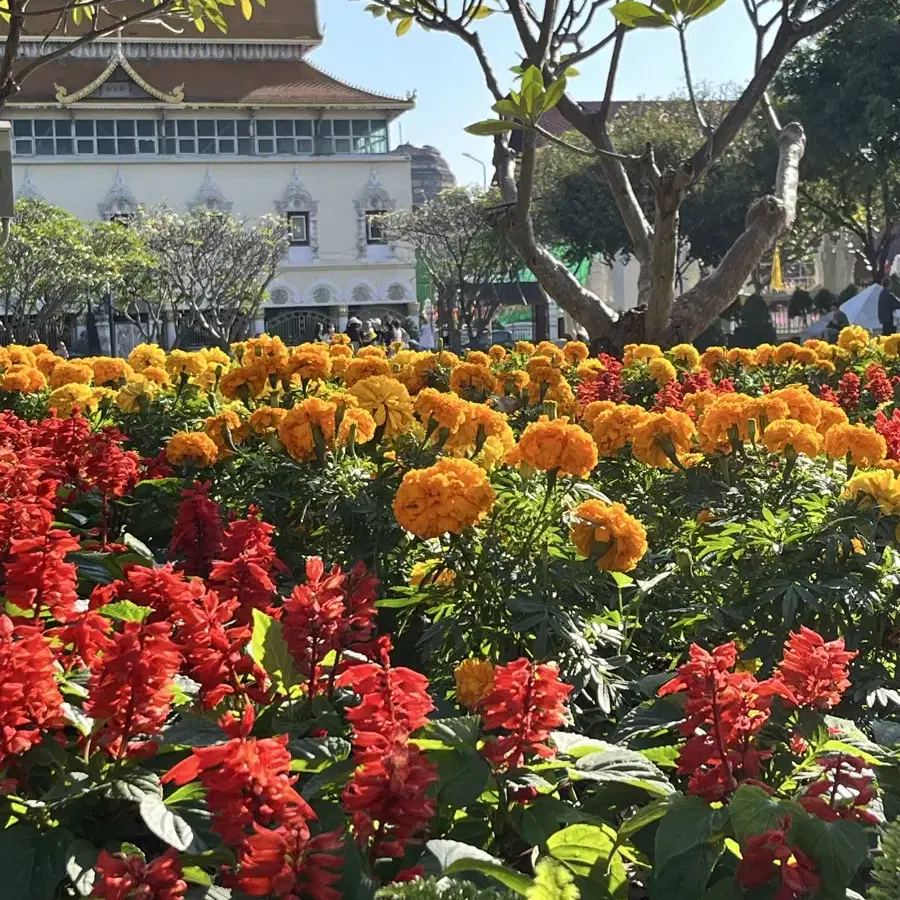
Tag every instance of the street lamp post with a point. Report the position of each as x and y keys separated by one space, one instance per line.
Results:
x=483 y=168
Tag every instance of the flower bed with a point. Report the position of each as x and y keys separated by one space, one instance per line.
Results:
x=309 y=623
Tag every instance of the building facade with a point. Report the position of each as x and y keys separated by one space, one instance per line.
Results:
x=239 y=122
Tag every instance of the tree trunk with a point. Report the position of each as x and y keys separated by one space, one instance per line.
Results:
x=664 y=256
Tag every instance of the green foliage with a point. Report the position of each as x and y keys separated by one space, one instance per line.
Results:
x=800 y=304
x=754 y=324
x=886 y=872
x=441 y=889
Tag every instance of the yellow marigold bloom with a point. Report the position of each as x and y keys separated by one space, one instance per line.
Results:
x=853 y=338
x=592 y=410
x=661 y=371
x=71 y=372
x=372 y=351
x=589 y=370
x=478 y=418
x=741 y=356
x=786 y=352
x=553 y=445
x=477 y=358
x=136 y=395
x=765 y=353
x=39 y=349
x=712 y=357
x=612 y=428
x=825 y=365
x=5 y=362
x=362 y=419
x=242 y=383
x=658 y=432
x=66 y=398
x=215 y=427
x=157 y=375
x=686 y=354
x=426 y=363
x=449 y=496
x=803 y=406
x=309 y=362
x=180 y=362
x=637 y=352
x=525 y=347
x=187 y=447
x=266 y=419
x=110 y=370
x=786 y=433
x=497 y=353
x=474 y=681
x=340 y=338
x=891 y=345
x=296 y=428
x=25 y=379
x=549 y=349
x=882 y=487
x=609 y=533
x=575 y=352
x=865 y=446
x=215 y=356
x=431 y=571
x=447 y=410
x=102 y=393
x=388 y=401
x=831 y=414
x=20 y=355
x=145 y=355
x=335 y=350
x=728 y=416
x=471 y=379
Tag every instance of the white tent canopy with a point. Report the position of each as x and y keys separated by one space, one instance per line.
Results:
x=860 y=310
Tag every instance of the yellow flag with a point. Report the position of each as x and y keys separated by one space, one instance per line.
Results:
x=775 y=282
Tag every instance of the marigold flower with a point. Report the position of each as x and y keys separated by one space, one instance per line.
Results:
x=481 y=423
x=242 y=383
x=786 y=433
x=20 y=355
x=336 y=351
x=25 y=379
x=136 y=395
x=803 y=406
x=662 y=371
x=145 y=355
x=765 y=353
x=686 y=354
x=266 y=419
x=853 y=338
x=831 y=414
x=659 y=434
x=713 y=357
x=726 y=419
x=187 y=447
x=741 y=357
x=447 y=410
x=638 y=352
x=524 y=347
x=182 y=362
x=864 y=446
x=612 y=428
x=473 y=381
x=296 y=430
x=474 y=681
x=497 y=352
x=554 y=445
x=216 y=427
x=266 y=353
x=71 y=372
x=607 y=532
x=361 y=420
x=769 y=408
x=815 y=671
x=45 y=363
x=882 y=487
x=310 y=362
x=156 y=375
x=449 y=496
x=575 y=352
x=543 y=373
x=365 y=367
x=388 y=401
x=111 y=371
x=526 y=702
x=122 y=877
x=589 y=413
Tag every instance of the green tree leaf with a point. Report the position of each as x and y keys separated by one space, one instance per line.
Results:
x=269 y=649
x=455 y=856
x=636 y=15
x=165 y=824
x=553 y=94
x=404 y=25
x=490 y=127
x=552 y=882
x=32 y=862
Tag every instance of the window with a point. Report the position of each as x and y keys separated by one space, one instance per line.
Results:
x=43 y=137
x=299 y=228
x=284 y=137
x=374 y=227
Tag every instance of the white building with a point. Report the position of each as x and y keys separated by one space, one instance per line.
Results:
x=239 y=122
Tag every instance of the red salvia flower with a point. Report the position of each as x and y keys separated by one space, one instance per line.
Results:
x=769 y=857
x=814 y=671
x=878 y=384
x=83 y=639
x=30 y=701
x=827 y=393
x=889 y=429
x=290 y=865
x=197 y=534
x=604 y=386
x=700 y=380
x=157 y=466
x=28 y=497
x=844 y=792
x=163 y=590
x=247 y=781
x=848 y=392
x=38 y=577
x=110 y=469
x=671 y=396
x=527 y=702
x=130 y=878
x=358 y=623
x=130 y=689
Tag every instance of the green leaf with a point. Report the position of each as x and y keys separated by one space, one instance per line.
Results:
x=553 y=94
x=538 y=821
x=137 y=784
x=696 y=9
x=636 y=15
x=622 y=766
x=455 y=856
x=268 y=648
x=684 y=877
x=590 y=852
x=754 y=811
x=32 y=862
x=689 y=822
x=165 y=824
x=193 y=790
x=404 y=25
x=724 y=889
x=489 y=127
x=314 y=754
x=125 y=611
x=646 y=815
x=553 y=882
x=137 y=546
x=213 y=892
x=458 y=731
x=192 y=731
x=81 y=857
x=482 y=12
x=839 y=848
x=375 y=9
x=196 y=875
x=463 y=777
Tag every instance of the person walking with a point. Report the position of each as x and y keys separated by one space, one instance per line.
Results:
x=887 y=304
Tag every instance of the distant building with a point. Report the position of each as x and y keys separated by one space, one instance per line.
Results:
x=429 y=170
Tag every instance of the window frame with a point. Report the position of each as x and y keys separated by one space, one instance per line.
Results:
x=373 y=239
x=303 y=215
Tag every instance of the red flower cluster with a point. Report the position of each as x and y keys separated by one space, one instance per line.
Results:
x=889 y=429
x=769 y=857
x=197 y=534
x=848 y=392
x=878 y=384
x=124 y=877
x=387 y=796
x=37 y=576
x=527 y=702
x=111 y=470
x=605 y=386
x=844 y=792
x=726 y=710
x=130 y=689
x=828 y=394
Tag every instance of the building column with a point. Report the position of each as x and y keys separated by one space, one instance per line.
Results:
x=553 y=316
x=343 y=313
x=171 y=334
x=259 y=323
x=103 y=335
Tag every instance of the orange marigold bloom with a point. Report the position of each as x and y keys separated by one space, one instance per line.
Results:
x=661 y=371
x=365 y=367
x=340 y=338
x=20 y=355
x=447 y=410
x=215 y=427
x=832 y=414
x=544 y=370
x=242 y=383
x=770 y=408
x=514 y=382
x=335 y=350
x=266 y=353
x=471 y=379
x=882 y=487
x=764 y=354
x=46 y=363
x=373 y=351
x=741 y=356
x=803 y=406
x=474 y=681
x=156 y=375
x=525 y=347
x=728 y=416
x=296 y=428
x=864 y=446
x=637 y=352
x=592 y=410
x=713 y=357
x=657 y=433
x=71 y=372
x=480 y=419
x=589 y=370
x=362 y=419
x=553 y=445
x=575 y=352
x=25 y=379
x=786 y=433
x=449 y=496
x=180 y=362
x=310 y=362
x=110 y=371
x=608 y=532
x=497 y=353
x=266 y=419
x=145 y=355
x=612 y=428
x=786 y=352
x=477 y=358
x=197 y=448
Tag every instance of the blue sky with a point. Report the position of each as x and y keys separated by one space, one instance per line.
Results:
x=450 y=91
